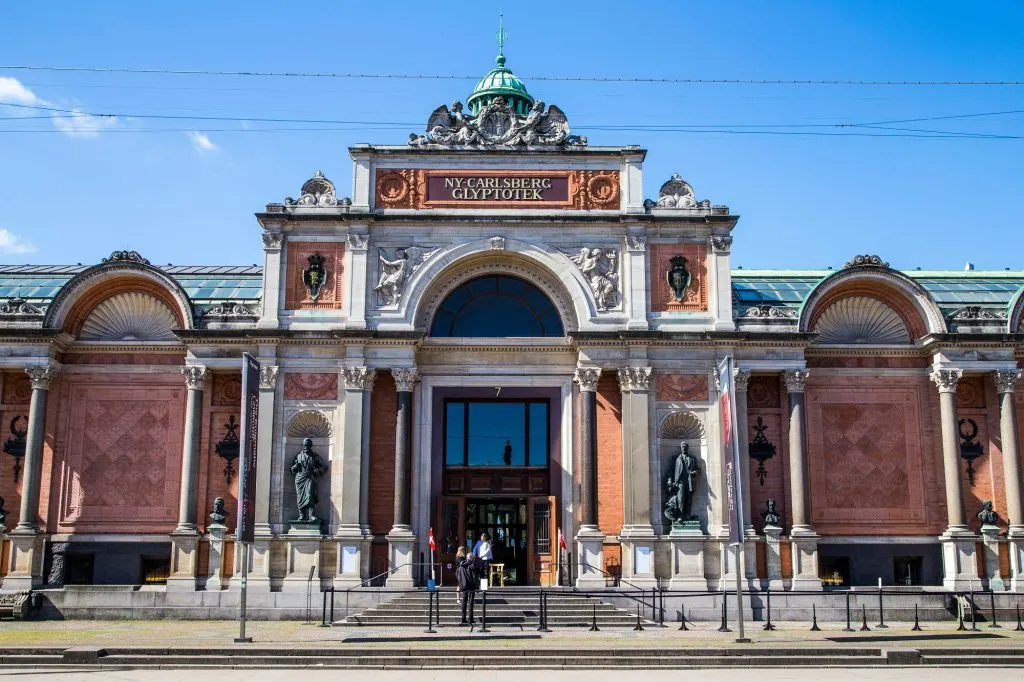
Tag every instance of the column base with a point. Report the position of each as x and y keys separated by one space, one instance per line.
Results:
x=215 y=559
x=773 y=558
x=184 y=562
x=805 y=560
x=303 y=556
x=258 y=579
x=959 y=563
x=638 y=556
x=590 y=558
x=992 y=579
x=401 y=548
x=687 y=562
x=25 y=567
x=1016 y=548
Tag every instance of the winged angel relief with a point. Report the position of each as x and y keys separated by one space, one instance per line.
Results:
x=601 y=272
x=499 y=125
x=396 y=271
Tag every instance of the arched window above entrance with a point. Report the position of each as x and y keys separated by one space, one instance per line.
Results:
x=497 y=306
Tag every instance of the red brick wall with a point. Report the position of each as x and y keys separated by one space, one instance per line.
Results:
x=383 y=417
x=978 y=401
x=219 y=405
x=609 y=456
x=766 y=398
x=16 y=394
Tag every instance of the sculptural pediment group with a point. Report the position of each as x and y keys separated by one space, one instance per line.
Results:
x=497 y=124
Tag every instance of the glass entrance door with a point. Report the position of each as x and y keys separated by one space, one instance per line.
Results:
x=506 y=522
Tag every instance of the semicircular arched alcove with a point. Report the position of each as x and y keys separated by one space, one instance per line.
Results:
x=496 y=305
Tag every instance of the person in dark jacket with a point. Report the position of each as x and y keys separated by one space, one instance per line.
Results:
x=468 y=576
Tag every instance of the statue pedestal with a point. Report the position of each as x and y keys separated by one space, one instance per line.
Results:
x=804 y=547
x=184 y=561
x=401 y=545
x=25 y=567
x=990 y=540
x=959 y=564
x=303 y=557
x=638 y=556
x=590 y=558
x=773 y=557
x=687 y=542
x=353 y=558
x=215 y=559
x=1015 y=540
x=259 y=564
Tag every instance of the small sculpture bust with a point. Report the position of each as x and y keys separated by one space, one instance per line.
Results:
x=219 y=514
x=987 y=516
x=306 y=467
x=771 y=515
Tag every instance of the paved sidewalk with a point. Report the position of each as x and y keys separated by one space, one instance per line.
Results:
x=290 y=634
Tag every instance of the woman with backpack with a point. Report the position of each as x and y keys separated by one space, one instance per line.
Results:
x=468 y=578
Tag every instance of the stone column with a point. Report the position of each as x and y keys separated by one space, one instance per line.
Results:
x=271 y=280
x=1006 y=385
x=804 y=541
x=741 y=379
x=960 y=569
x=185 y=538
x=401 y=541
x=589 y=539
x=637 y=536
x=353 y=540
x=259 y=557
x=25 y=567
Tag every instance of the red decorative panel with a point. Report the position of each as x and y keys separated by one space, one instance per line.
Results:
x=9 y=490
x=763 y=391
x=681 y=386
x=122 y=464
x=296 y=295
x=383 y=414
x=227 y=390
x=868 y=361
x=696 y=295
x=970 y=393
x=174 y=359
x=776 y=470
x=17 y=388
x=310 y=386
x=609 y=456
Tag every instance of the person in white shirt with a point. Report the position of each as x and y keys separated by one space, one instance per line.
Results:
x=483 y=551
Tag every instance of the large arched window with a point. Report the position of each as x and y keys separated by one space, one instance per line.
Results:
x=497 y=306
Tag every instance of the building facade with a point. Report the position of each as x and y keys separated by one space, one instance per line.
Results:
x=500 y=332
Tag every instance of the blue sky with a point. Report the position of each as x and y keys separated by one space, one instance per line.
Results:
x=185 y=190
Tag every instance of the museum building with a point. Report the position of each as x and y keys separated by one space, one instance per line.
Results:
x=500 y=331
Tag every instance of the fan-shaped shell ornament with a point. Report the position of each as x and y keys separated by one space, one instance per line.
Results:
x=309 y=424
x=861 y=319
x=132 y=316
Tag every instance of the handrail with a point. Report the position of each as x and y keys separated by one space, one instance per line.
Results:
x=364 y=583
x=612 y=575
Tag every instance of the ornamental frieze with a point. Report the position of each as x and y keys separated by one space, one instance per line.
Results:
x=423 y=188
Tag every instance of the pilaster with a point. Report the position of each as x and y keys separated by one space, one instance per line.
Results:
x=353 y=539
x=636 y=286
x=355 y=280
x=721 y=282
x=637 y=535
x=272 y=243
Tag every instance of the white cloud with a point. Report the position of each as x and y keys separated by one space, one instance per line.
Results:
x=12 y=91
x=201 y=143
x=73 y=122
x=80 y=124
x=11 y=243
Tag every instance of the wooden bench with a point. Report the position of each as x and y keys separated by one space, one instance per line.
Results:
x=15 y=604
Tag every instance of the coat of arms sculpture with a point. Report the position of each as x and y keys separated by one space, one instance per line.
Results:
x=315 y=276
x=678 y=277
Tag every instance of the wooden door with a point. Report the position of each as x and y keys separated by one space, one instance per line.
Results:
x=542 y=541
x=450 y=530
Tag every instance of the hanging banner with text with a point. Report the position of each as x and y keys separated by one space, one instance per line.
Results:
x=247 y=460
x=731 y=450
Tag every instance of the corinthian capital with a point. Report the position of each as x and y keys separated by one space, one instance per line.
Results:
x=41 y=375
x=796 y=379
x=195 y=376
x=720 y=244
x=268 y=377
x=359 y=378
x=587 y=378
x=272 y=240
x=1006 y=380
x=946 y=379
x=405 y=377
x=741 y=378
x=636 y=379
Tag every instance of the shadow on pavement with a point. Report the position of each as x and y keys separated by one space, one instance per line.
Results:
x=446 y=638
x=913 y=638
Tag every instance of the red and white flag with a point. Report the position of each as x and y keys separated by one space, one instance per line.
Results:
x=561 y=539
x=430 y=540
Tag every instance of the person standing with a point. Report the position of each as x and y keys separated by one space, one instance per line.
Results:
x=484 y=551
x=467 y=577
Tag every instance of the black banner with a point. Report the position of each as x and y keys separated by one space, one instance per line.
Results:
x=247 y=461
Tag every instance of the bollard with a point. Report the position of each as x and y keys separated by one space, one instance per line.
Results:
x=1020 y=626
x=864 y=619
x=814 y=617
x=332 y=606
x=593 y=623
x=768 y=623
x=430 y=613
x=483 y=622
x=848 y=627
x=881 y=613
x=917 y=622
x=661 y=608
x=542 y=624
x=639 y=627
x=724 y=627
x=323 y=618
x=992 y=609
x=974 y=617
x=682 y=619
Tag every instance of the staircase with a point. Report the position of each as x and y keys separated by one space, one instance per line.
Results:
x=506 y=606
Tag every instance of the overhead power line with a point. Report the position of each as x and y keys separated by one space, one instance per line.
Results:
x=586 y=79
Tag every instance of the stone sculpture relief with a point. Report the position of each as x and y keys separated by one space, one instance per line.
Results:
x=498 y=125
x=678 y=277
x=677 y=193
x=19 y=307
x=396 y=270
x=600 y=269
x=315 y=275
x=318 y=191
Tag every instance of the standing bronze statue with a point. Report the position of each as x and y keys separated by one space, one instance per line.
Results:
x=679 y=508
x=306 y=467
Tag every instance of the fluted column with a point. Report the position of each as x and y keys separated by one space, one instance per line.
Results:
x=795 y=383
x=401 y=540
x=1006 y=385
x=195 y=379
x=41 y=376
x=946 y=380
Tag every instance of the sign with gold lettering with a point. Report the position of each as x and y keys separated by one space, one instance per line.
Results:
x=512 y=188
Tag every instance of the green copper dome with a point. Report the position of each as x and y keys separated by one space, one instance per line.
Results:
x=502 y=82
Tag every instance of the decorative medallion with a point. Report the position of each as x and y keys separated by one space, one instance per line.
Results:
x=314 y=276
x=678 y=277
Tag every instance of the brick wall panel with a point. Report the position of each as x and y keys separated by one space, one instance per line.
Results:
x=383 y=418
x=609 y=456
